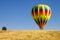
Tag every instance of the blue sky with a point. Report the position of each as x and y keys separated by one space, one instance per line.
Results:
x=16 y=14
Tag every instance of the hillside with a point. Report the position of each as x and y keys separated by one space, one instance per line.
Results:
x=30 y=35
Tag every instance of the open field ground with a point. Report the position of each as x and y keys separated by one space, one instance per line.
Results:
x=30 y=35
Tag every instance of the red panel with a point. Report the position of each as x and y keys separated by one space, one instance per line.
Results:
x=32 y=13
x=41 y=12
x=46 y=12
x=36 y=12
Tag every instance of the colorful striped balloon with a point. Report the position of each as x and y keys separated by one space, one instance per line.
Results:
x=41 y=14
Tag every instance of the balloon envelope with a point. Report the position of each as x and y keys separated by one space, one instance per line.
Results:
x=41 y=14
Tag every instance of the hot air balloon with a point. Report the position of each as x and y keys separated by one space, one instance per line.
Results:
x=41 y=13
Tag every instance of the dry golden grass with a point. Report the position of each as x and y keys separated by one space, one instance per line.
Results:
x=30 y=35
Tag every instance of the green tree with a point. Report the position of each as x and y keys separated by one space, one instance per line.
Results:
x=4 y=28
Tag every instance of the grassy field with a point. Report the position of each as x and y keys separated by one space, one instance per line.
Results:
x=30 y=35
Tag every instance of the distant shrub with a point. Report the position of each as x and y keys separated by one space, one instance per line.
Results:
x=4 y=28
